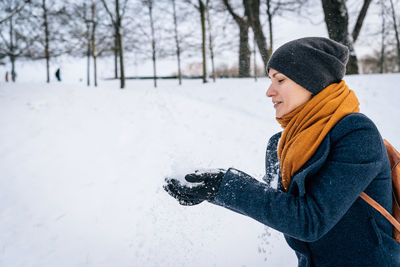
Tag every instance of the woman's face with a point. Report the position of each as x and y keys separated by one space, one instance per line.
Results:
x=285 y=93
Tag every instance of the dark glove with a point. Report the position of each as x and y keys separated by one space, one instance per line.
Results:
x=198 y=186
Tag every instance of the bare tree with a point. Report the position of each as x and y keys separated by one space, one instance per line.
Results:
x=337 y=20
x=40 y=22
x=210 y=40
x=149 y=5
x=13 y=39
x=201 y=8
x=81 y=32
x=9 y=47
x=15 y=11
x=46 y=34
x=88 y=42
x=396 y=33
x=269 y=16
x=278 y=7
x=382 y=59
x=177 y=43
x=255 y=58
x=371 y=63
x=93 y=41
x=116 y=20
x=244 y=49
x=252 y=11
x=177 y=38
x=252 y=18
x=116 y=53
x=89 y=34
x=45 y=21
x=12 y=49
x=89 y=26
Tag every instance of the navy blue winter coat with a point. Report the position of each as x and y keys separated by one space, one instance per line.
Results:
x=322 y=216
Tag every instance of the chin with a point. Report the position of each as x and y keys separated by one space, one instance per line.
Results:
x=281 y=113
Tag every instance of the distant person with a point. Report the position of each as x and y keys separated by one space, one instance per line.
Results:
x=326 y=156
x=6 y=77
x=58 y=74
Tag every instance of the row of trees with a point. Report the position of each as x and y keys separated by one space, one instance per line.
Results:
x=154 y=29
x=387 y=59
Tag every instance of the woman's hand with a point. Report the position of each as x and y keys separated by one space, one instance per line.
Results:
x=196 y=187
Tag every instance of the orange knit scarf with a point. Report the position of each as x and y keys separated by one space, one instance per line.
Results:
x=306 y=126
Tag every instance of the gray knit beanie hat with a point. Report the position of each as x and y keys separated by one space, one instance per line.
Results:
x=312 y=62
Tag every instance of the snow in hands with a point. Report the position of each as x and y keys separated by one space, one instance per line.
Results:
x=195 y=187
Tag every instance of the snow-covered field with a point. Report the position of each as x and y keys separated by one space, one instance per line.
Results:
x=82 y=170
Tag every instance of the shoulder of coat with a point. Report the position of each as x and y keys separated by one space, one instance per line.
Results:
x=355 y=118
x=352 y=122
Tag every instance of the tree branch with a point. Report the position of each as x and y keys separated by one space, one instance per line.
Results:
x=109 y=12
x=15 y=11
x=192 y=4
x=360 y=20
x=124 y=8
x=230 y=10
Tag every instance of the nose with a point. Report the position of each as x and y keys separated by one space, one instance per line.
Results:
x=270 y=91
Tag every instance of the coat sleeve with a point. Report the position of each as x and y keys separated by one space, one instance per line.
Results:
x=354 y=160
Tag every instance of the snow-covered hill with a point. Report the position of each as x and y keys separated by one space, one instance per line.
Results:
x=82 y=170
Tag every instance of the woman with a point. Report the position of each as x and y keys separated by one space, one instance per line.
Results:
x=327 y=154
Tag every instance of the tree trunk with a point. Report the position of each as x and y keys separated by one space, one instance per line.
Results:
x=244 y=49
x=269 y=15
x=255 y=58
x=178 y=49
x=121 y=61
x=382 y=60
x=115 y=54
x=88 y=65
x=11 y=54
x=46 y=44
x=252 y=10
x=336 y=19
x=210 y=43
x=88 y=53
x=94 y=52
x=396 y=34
x=13 y=73
x=153 y=42
x=203 y=35
x=120 y=46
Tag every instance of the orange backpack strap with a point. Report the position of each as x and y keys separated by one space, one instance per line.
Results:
x=381 y=209
x=394 y=159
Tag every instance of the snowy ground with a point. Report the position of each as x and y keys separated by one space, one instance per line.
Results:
x=82 y=170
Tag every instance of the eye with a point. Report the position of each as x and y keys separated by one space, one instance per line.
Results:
x=280 y=80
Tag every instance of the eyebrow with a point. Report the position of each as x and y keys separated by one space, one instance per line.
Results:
x=273 y=75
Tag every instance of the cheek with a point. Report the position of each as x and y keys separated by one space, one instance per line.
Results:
x=291 y=99
x=290 y=105
x=286 y=96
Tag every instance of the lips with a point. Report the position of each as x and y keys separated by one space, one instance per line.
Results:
x=276 y=104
